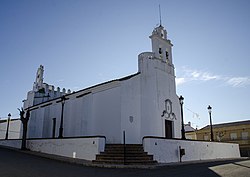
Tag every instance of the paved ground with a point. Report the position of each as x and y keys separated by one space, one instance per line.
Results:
x=18 y=164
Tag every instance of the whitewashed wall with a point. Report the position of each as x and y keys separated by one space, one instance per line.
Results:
x=96 y=113
x=131 y=109
x=81 y=148
x=157 y=85
x=11 y=143
x=77 y=116
x=14 y=129
x=35 y=124
x=107 y=114
x=165 y=83
x=167 y=150
x=150 y=121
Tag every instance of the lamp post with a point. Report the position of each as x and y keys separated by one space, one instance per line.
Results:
x=182 y=121
x=8 y=124
x=211 y=125
x=61 y=123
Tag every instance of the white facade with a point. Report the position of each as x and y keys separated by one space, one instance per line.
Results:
x=142 y=104
x=168 y=150
x=163 y=150
x=80 y=148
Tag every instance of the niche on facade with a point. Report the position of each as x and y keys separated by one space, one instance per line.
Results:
x=168 y=112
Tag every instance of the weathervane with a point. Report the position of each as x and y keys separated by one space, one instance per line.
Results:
x=160 y=13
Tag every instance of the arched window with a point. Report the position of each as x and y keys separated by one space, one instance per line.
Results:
x=167 y=55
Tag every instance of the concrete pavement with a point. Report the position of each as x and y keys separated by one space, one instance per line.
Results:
x=18 y=164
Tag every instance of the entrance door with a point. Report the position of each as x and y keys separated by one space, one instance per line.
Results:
x=168 y=129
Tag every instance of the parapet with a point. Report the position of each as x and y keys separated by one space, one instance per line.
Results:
x=42 y=91
x=146 y=55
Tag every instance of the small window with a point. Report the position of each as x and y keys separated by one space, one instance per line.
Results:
x=160 y=52
x=233 y=136
x=244 y=135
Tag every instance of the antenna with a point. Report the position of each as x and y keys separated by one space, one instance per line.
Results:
x=160 y=13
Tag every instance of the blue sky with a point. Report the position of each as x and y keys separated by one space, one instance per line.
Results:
x=82 y=43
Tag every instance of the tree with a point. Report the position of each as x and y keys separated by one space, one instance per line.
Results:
x=24 y=121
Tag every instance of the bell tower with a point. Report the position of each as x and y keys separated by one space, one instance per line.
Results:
x=161 y=46
x=160 y=107
x=39 y=79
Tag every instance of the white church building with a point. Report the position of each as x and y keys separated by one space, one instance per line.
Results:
x=141 y=104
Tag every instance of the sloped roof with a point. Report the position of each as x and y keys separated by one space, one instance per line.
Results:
x=121 y=79
x=227 y=124
x=89 y=88
x=188 y=128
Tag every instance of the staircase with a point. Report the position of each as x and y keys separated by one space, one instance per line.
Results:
x=134 y=154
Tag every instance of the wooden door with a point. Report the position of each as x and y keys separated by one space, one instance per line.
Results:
x=168 y=129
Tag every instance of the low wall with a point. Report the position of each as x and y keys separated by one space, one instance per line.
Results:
x=14 y=129
x=14 y=143
x=168 y=150
x=81 y=148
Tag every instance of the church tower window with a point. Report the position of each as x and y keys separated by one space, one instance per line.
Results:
x=167 y=55
x=160 y=51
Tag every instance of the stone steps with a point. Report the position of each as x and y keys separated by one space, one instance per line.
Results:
x=134 y=154
x=121 y=157
x=127 y=162
x=128 y=154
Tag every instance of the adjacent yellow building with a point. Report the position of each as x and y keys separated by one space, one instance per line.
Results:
x=234 y=132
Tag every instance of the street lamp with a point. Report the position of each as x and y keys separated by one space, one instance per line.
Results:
x=61 y=123
x=8 y=124
x=211 y=125
x=182 y=121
